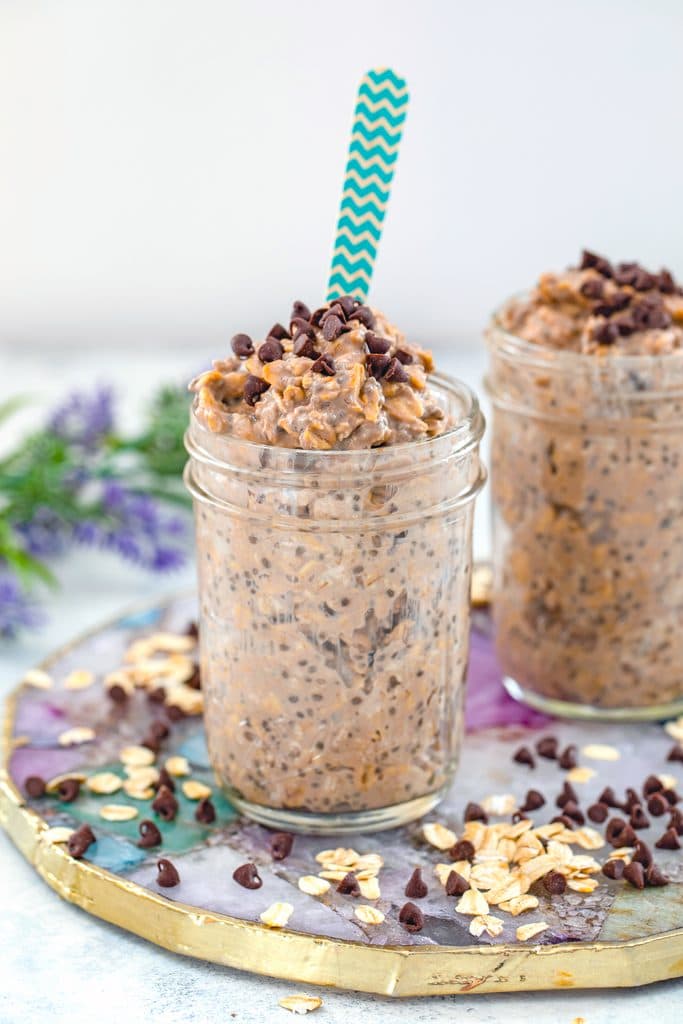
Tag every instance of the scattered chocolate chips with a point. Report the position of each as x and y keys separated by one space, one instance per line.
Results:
x=242 y=346
x=336 y=309
x=68 y=790
x=593 y=288
x=365 y=315
x=281 y=845
x=349 y=885
x=164 y=780
x=159 y=729
x=175 y=713
x=149 y=835
x=195 y=680
x=475 y=812
x=642 y=853
x=532 y=801
x=395 y=374
x=254 y=387
x=613 y=868
x=192 y=629
x=325 y=365
x=416 y=888
x=606 y=333
x=317 y=315
x=573 y=811
x=598 y=812
x=304 y=345
x=676 y=753
x=117 y=693
x=270 y=350
x=634 y=874
x=411 y=917
x=568 y=794
x=333 y=327
x=652 y=785
x=152 y=743
x=404 y=357
x=376 y=345
x=669 y=841
x=377 y=364
x=80 y=840
x=167 y=875
x=671 y=796
x=632 y=799
x=655 y=877
x=658 y=805
x=300 y=310
x=524 y=756
x=165 y=804
x=592 y=260
x=639 y=818
x=157 y=695
x=565 y=820
x=547 y=747
x=205 y=813
x=567 y=759
x=608 y=796
x=34 y=786
x=462 y=850
x=247 y=876
x=348 y=305
x=278 y=332
x=619 y=833
x=554 y=883
x=676 y=821
x=456 y=885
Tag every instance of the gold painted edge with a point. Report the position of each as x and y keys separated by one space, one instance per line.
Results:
x=245 y=945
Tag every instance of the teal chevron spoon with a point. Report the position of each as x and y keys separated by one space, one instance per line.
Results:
x=381 y=109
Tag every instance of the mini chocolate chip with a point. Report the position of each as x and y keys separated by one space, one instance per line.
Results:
x=34 y=786
x=378 y=346
x=317 y=315
x=300 y=310
x=336 y=309
x=625 y=324
x=567 y=759
x=247 y=876
x=157 y=695
x=395 y=374
x=635 y=875
x=554 y=883
x=333 y=327
x=304 y=345
x=411 y=917
x=590 y=259
x=192 y=629
x=608 y=796
x=206 y=812
x=568 y=793
x=324 y=365
x=117 y=694
x=175 y=713
x=152 y=743
x=607 y=333
x=639 y=818
x=68 y=790
x=167 y=876
x=80 y=840
x=281 y=845
x=592 y=288
x=242 y=345
x=348 y=305
x=475 y=812
x=654 y=876
x=547 y=747
x=165 y=804
x=642 y=853
x=665 y=282
x=669 y=841
x=365 y=315
x=671 y=796
x=462 y=850
x=377 y=364
x=164 y=780
x=658 y=805
x=676 y=753
x=632 y=799
x=349 y=885
x=278 y=332
x=299 y=326
x=565 y=820
x=456 y=885
x=532 y=801
x=524 y=756
x=254 y=387
x=404 y=357
x=571 y=810
x=676 y=821
x=149 y=835
x=652 y=785
x=598 y=812
x=613 y=868
x=416 y=888
x=615 y=826
x=195 y=680
x=270 y=350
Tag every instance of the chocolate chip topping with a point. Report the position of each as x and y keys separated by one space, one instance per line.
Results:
x=149 y=835
x=619 y=833
x=593 y=288
x=68 y=790
x=404 y=357
x=547 y=747
x=411 y=917
x=590 y=260
x=652 y=785
x=573 y=811
x=639 y=818
x=242 y=346
x=349 y=885
x=324 y=365
x=634 y=874
x=165 y=804
x=416 y=888
x=567 y=759
x=658 y=805
x=195 y=680
x=532 y=801
x=608 y=796
x=456 y=885
x=365 y=315
x=524 y=756
x=247 y=876
x=333 y=327
x=80 y=840
x=270 y=350
x=152 y=743
x=175 y=713
x=164 y=780
x=160 y=729
x=462 y=850
x=278 y=332
x=376 y=345
x=654 y=876
x=206 y=812
x=395 y=374
x=669 y=841
x=613 y=869
x=300 y=310
x=642 y=853
x=554 y=883
x=349 y=305
x=254 y=387
x=377 y=364
x=565 y=820
x=281 y=845
x=606 y=333
x=598 y=812
x=475 y=812
x=632 y=799
x=34 y=786
x=167 y=874
x=568 y=794
x=304 y=345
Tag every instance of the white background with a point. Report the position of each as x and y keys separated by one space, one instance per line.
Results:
x=170 y=170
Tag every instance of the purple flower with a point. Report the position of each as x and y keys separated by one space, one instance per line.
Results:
x=45 y=534
x=84 y=419
x=17 y=610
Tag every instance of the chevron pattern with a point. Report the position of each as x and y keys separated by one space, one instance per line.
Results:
x=381 y=109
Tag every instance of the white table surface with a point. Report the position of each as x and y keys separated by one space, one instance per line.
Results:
x=57 y=963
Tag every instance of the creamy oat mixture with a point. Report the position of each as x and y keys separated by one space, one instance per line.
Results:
x=587 y=477
x=341 y=377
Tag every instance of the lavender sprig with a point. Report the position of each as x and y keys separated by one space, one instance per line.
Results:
x=17 y=610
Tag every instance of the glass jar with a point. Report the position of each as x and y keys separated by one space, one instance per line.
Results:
x=587 y=487
x=334 y=618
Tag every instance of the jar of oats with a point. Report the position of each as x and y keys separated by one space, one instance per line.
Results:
x=586 y=381
x=333 y=513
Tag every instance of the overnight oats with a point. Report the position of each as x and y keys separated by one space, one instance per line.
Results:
x=586 y=379
x=334 y=478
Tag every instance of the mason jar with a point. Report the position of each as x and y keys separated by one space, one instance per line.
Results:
x=587 y=490
x=334 y=619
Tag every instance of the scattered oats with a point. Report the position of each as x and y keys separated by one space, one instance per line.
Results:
x=486 y=923
x=104 y=782
x=518 y=829
x=528 y=847
x=461 y=867
x=580 y=774
x=538 y=867
x=120 y=678
x=513 y=888
x=580 y=863
x=73 y=737
x=163 y=643
x=58 y=834
x=588 y=838
x=472 y=903
x=559 y=851
x=342 y=856
x=369 y=915
x=81 y=679
x=137 y=790
x=549 y=830
x=195 y=790
x=621 y=853
x=37 y=678
x=499 y=805
x=313 y=886
x=300 y=1003
x=190 y=701
x=579 y=884
x=369 y=888
x=519 y=904
x=118 y=812
x=476 y=832
x=528 y=931
x=137 y=757
x=53 y=785
x=489 y=876
x=143 y=775
x=334 y=874
x=507 y=848
x=675 y=729
x=438 y=835
x=177 y=766
x=601 y=752
x=277 y=915
x=370 y=862
x=668 y=781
